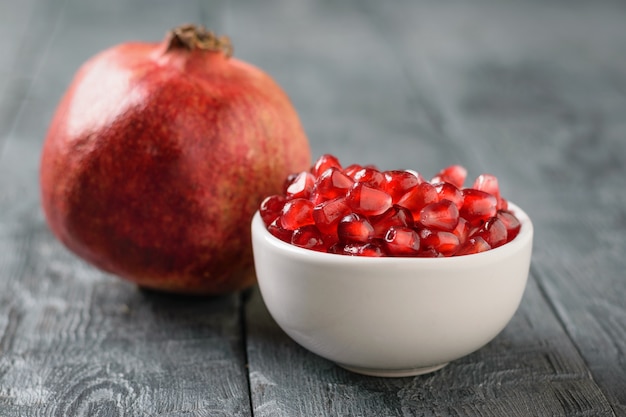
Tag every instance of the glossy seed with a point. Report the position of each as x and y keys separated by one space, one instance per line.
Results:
x=418 y=197
x=323 y=163
x=395 y=216
x=398 y=182
x=478 y=206
x=332 y=183
x=402 y=241
x=454 y=174
x=301 y=186
x=473 y=245
x=367 y=200
x=271 y=207
x=296 y=213
x=442 y=215
x=308 y=237
x=355 y=228
x=328 y=214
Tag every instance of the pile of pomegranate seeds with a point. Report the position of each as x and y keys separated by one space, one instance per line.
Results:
x=362 y=211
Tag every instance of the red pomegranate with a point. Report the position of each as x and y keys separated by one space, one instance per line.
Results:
x=158 y=156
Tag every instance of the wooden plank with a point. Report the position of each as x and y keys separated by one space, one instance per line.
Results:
x=16 y=65
x=540 y=101
x=75 y=341
x=379 y=84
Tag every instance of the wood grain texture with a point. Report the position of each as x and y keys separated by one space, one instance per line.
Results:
x=534 y=92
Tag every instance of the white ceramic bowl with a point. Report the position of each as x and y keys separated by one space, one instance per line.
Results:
x=391 y=316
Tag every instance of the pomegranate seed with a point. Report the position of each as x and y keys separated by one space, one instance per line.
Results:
x=370 y=176
x=511 y=223
x=332 y=183
x=308 y=237
x=462 y=230
x=358 y=249
x=397 y=183
x=442 y=215
x=296 y=213
x=355 y=228
x=362 y=211
x=502 y=204
x=454 y=174
x=289 y=180
x=328 y=214
x=395 y=216
x=473 y=245
x=418 y=197
x=301 y=186
x=493 y=232
x=487 y=183
x=478 y=206
x=448 y=191
x=430 y=253
x=367 y=200
x=402 y=241
x=323 y=163
x=351 y=170
x=278 y=231
x=443 y=242
x=271 y=207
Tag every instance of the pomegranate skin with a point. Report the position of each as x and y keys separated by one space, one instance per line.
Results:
x=156 y=159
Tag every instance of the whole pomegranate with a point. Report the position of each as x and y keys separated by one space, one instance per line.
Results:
x=158 y=156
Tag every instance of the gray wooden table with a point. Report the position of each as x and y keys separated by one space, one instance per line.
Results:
x=534 y=92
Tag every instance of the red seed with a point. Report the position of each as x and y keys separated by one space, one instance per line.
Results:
x=330 y=184
x=328 y=214
x=301 y=186
x=478 y=206
x=296 y=213
x=454 y=174
x=503 y=204
x=289 y=180
x=493 y=231
x=402 y=241
x=487 y=183
x=462 y=230
x=397 y=183
x=355 y=228
x=430 y=253
x=445 y=243
x=395 y=216
x=323 y=163
x=448 y=191
x=362 y=211
x=442 y=215
x=370 y=176
x=351 y=170
x=357 y=249
x=418 y=197
x=271 y=207
x=511 y=223
x=367 y=200
x=278 y=231
x=473 y=245
x=308 y=237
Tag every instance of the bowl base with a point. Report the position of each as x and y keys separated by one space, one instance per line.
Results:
x=393 y=373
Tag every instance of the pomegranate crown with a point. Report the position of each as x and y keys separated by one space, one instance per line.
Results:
x=192 y=37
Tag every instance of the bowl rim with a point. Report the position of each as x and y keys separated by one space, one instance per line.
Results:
x=518 y=243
